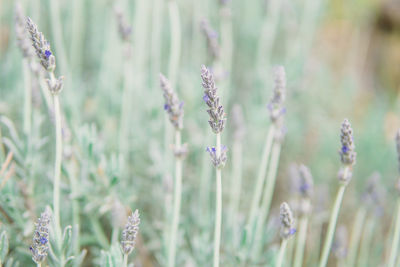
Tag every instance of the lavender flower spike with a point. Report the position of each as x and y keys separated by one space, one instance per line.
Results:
x=347 y=152
x=172 y=105
x=40 y=245
x=212 y=39
x=42 y=46
x=130 y=232
x=215 y=111
x=287 y=221
x=276 y=108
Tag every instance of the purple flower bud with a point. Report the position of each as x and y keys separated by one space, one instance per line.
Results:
x=292 y=231
x=345 y=149
x=166 y=107
x=206 y=98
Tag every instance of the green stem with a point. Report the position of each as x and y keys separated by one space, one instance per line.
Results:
x=28 y=98
x=76 y=34
x=356 y=236
x=300 y=241
x=281 y=254
x=57 y=163
x=125 y=260
x=218 y=210
x=332 y=224
x=266 y=201
x=175 y=47
x=156 y=34
x=177 y=202
x=254 y=208
x=396 y=236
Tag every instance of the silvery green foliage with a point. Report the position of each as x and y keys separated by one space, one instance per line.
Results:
x=41 y=237
x=128 y=240
x=3 y=246
x=287 y=221
x=172 y=105
x=112 y=257
x=216 y=110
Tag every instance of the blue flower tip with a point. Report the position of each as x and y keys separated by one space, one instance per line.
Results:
x=47 y=53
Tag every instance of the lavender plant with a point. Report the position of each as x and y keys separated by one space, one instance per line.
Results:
x=348 y=159
x=41 y=239
x=48 y=61
x=217 y=153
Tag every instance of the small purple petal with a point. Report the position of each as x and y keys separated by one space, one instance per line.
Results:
x=213 y=149
x=166 y=106
x=292 y=231
x=43 y=240
x=345 y=149
x=206 y=98
x=47 y=53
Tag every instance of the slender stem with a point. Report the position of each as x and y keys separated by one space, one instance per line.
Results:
x=396 y=236
x=281 y=254
x=363 y=259
x=28 y=98
x=155 y=36
x=300 y=241
x=332 y=226
x=355 y=236
x=177 y=202
x=76 y=34
x=57 y=164
x=218 y=210
x=125 y=260
x=39 y=264
x=266 y=201
x=260 y=180
x=175 y=48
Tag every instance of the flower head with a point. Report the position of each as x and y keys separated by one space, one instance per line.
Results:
x=124 y=29
x=287 y=221
x=42 y=46
x=130 y=232
x=172 y=105
x=218 y=162
x=275 y=106
x=215 y=111
x=40 y=239
x=347 y=151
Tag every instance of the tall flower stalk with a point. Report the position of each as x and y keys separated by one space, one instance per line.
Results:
x=265 y=183
x=48 y=61
x=396 y=234
x=305 y=188
x=348 y=158
x=217 y=153
x=174 y=109
x=287 y=231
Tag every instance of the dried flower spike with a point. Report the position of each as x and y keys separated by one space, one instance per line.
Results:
x=215 y=111
x=275 y=106
x=42 y=46
x=40 y=239
x=130 y=232
x=306 y=182
x=21 y=33
x=172 y=105
x=287 y=221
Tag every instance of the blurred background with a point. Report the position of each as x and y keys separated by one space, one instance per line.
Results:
x=342 y=60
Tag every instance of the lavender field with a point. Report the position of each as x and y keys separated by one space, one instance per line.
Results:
x=199 y=133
